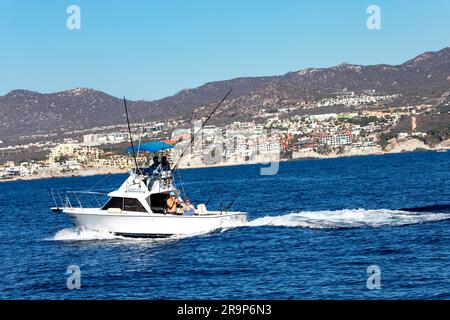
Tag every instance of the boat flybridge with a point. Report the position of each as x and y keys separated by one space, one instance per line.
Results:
x=138 y=209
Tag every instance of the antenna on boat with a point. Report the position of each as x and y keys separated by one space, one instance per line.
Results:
x=199 y=130
x=140 y=137
x=131 y=137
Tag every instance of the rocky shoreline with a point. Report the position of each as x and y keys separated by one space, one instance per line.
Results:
x=394 y=146
x=78 y=173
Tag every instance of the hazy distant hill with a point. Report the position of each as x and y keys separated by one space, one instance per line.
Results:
x=424 y=78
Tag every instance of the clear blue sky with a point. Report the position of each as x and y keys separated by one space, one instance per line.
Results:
x=154 y=48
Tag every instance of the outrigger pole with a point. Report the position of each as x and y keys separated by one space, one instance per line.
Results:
x=196 y=133
x=131 y=137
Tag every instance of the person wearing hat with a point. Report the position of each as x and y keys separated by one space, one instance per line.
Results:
x=172 y=203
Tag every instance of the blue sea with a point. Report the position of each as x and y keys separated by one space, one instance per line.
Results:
x=314 y=230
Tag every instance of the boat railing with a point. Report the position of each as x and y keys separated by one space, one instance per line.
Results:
x=165 y=178
x=141 y=173
x=77 y=199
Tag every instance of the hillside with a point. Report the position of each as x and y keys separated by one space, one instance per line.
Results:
x=424 y=79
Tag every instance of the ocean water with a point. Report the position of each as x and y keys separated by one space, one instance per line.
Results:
x=314 y=229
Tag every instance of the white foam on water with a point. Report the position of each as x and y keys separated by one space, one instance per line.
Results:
x=82 y=234
x=347 y=218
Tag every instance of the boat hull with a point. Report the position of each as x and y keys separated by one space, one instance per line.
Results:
x=153 y=225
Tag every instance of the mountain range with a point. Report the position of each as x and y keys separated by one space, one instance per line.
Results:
x=424 y=79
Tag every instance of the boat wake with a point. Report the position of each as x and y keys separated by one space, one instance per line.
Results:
x=347 y=218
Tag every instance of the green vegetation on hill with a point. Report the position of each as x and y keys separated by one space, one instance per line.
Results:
x=437 y=134
x=363 y=121
x=385 y=137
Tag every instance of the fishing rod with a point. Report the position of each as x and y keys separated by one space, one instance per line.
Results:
x=131 y=137
x=236 y=195
x=210 y=196
x=221 y=204
x=232 y=202
x=195 y=134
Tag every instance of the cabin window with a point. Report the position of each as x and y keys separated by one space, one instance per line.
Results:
x=126 y=204
x=158 y=202
x=114 y=202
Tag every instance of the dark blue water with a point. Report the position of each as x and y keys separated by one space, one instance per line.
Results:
x=314 y=229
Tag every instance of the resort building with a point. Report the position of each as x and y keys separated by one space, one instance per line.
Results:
x=336 y=140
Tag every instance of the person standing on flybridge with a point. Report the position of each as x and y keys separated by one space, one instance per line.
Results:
x=151 y=170
x=164 y=165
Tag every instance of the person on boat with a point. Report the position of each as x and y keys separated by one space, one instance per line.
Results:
x=164 y=165
x=172 y=203
x=154 y=166
x=188 y=208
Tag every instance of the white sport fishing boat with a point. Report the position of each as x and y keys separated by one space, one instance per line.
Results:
x=138 y=209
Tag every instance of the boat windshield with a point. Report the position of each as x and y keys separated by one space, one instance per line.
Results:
x=125 y=204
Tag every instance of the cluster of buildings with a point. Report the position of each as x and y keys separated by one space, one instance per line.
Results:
x=67 y=157
x=351 y=99
x=333 y=130
x=146 y=130
x=277 y=135
x=43 y=145
x=238 y=142
x=71 y=155
x=242 y=142
x=9 y=170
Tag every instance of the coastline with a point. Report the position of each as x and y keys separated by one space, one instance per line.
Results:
x=78 y=173
x=395 y=147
